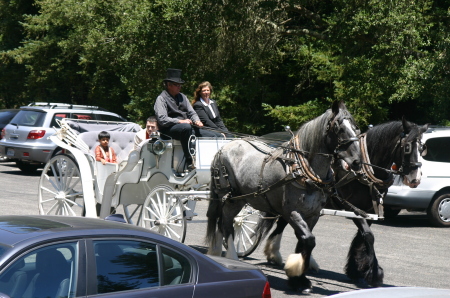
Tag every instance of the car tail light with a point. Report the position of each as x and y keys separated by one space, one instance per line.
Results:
x=36 y=134
x=266 y=293
x=3 y=134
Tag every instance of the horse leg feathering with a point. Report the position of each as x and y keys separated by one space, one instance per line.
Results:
x=272 y=250
x=362 y=263
x=296 y=263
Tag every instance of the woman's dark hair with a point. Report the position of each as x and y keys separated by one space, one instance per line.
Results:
x=104 y=134
x=198 y=91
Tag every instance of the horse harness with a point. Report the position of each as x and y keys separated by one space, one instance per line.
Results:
x=297 y=168
x=367 y=177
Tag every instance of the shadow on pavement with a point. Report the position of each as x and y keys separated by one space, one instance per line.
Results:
x=407 y=220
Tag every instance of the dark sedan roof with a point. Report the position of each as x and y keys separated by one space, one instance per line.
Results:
x=17 y=228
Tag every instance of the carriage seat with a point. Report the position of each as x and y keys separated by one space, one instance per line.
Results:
x=122 y=142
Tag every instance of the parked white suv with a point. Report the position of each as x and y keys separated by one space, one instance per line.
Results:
x=433 y=193
x=25 y=138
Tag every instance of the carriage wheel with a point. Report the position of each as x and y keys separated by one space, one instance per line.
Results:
x=60 y=188
x=245 y=238
x=164 y=214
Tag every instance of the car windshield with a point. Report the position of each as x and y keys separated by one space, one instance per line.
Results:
x=29 y=118
x=6 y=116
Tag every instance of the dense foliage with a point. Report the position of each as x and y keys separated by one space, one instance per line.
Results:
x=272 y=62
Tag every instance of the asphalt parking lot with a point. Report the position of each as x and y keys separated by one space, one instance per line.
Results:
x=410 y=250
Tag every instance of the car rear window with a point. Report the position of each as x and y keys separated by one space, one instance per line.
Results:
x=6 y=116
x=29 y=118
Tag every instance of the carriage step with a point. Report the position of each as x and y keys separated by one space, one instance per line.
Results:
x=348 y=214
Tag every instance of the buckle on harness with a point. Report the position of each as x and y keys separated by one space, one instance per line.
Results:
x=216 y=178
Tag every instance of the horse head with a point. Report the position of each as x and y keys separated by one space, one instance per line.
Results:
x=342 y=136
x=411 y=148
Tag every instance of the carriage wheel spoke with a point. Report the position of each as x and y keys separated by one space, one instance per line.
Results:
x=156 y=207
x=48 y=190
x=170 y=230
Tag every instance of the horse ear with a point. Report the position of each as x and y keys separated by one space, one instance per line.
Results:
x=424 y=128
x=335 y=106
x=406 y=125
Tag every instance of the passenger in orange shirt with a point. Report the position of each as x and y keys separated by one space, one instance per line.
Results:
x=104 y=152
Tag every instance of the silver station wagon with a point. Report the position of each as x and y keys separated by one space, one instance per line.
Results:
x=25 y=138
x=433 y=193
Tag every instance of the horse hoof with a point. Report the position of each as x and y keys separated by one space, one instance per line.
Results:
x=300 y=283
x=306 y=291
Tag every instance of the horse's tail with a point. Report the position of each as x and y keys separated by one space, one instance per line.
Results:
x=214 y=214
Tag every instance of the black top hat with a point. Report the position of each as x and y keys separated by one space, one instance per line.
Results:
x=174 y=75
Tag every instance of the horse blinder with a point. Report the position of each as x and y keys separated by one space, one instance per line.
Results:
x=407 y=148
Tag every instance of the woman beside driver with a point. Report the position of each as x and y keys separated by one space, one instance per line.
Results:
x=207 y=109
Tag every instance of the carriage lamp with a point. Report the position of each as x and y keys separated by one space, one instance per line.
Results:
x=156 y=146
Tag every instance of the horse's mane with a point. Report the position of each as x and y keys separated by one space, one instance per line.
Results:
x=382 y=138
x=311 y=134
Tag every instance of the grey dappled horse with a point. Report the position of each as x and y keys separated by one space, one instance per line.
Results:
x=396 y=142
x=243 y=171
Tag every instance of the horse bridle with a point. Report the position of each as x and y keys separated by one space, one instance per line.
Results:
x=406 y=150
x=333 y=125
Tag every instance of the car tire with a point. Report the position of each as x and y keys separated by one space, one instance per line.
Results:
x=27 y=168
x=390 y=212
x=439 y=211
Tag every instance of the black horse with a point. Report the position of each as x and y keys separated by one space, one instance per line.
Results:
x=382 y=146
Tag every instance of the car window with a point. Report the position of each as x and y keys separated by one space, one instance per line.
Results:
x=125 y=265
x=29 y=118
x=176 y=268
x=82 y=116
x=6 y=116
x=128 y=265
x=58 y=116
x=110 y=118
x=437 y=149
x=50 y=271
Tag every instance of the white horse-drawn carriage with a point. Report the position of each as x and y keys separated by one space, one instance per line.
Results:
x=146 y=182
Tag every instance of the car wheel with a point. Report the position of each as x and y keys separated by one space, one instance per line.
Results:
x=439 y=211
x=27 y=168
x=390 y=212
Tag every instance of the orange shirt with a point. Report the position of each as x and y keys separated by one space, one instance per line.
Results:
x=108 y=156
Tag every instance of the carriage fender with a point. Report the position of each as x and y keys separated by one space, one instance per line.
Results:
x=86 y=175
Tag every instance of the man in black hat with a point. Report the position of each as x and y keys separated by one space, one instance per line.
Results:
x=175 y=114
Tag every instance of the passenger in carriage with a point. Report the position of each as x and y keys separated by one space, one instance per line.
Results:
x=207 y=109
x=104 y=152
x=175 y=115
x=150 y=128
